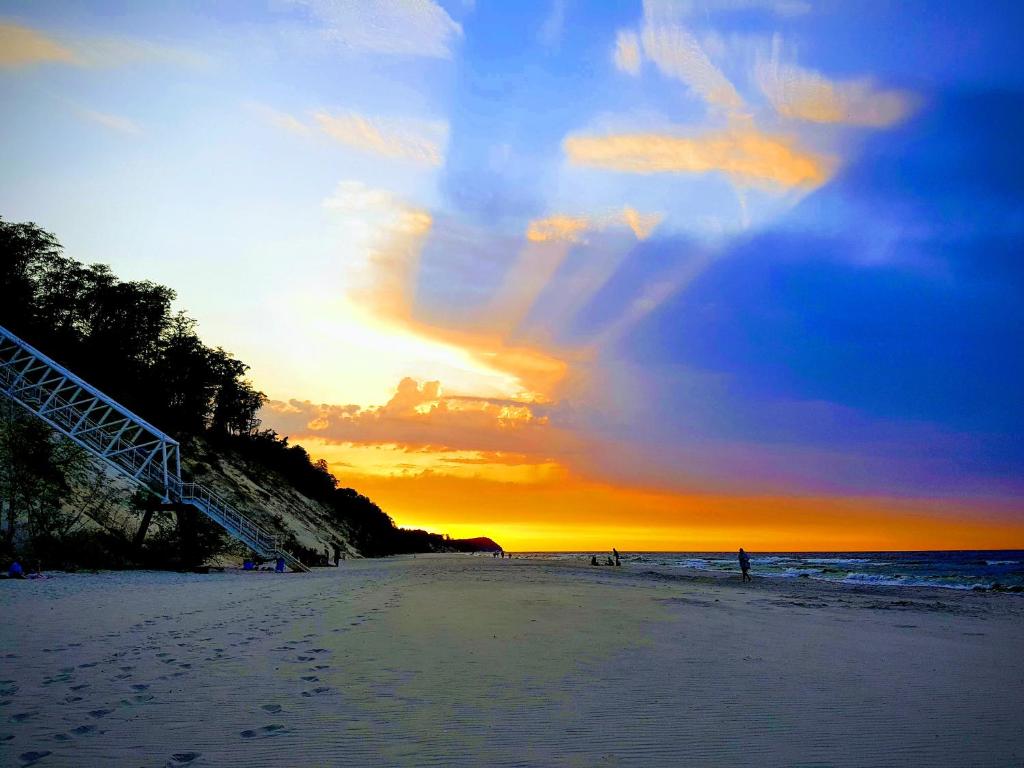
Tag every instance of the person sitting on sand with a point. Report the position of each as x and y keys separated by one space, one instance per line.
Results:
x=593 y=560
x=608 y=561
x=15 y=571
x=279 y=567
x=745 y=565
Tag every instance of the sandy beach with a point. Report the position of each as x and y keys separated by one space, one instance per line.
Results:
x=456 y=660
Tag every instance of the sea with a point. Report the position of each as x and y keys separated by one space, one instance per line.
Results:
x=965 y=569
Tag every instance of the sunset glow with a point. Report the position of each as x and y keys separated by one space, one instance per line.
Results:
x=664 y=276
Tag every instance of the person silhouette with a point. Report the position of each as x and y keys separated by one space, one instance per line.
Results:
x=745 y=565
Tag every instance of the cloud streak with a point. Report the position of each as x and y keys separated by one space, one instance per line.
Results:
x=803 y=94
x=113 y=122
x=570 y=229
x=557 y=228
x=746 y=156
x=419 y=28
x=677 y=54
x=627 y=55
x=419 y=141
x=22 y=47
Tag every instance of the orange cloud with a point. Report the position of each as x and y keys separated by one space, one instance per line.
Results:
x=419 y=417
x=744 y=155
x=570 y=229
x=641 y=224
x=355 y=461
x=280 y=119
x=802 y=94
x=419 y=141
x=560 y=228
x=21 y=47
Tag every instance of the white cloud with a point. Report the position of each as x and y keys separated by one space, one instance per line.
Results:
x=113 y=122
x=681 y=9
x=118 y=52
x=398 y=27
x=627 y=52
x=679 y=55
x=553 y=26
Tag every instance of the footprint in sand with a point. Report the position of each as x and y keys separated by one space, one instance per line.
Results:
x=262 y=733
x=79 y=686
x=310 y=678
x=318 y=691
x=98 y=713
x=82 y=730
x=141 y=698
x=21 y=717
x=139 y=687
x=271 y=708
x=181 y=758
x=31 y=758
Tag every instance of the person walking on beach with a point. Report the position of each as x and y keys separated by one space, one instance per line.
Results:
x=745 y=565
x=616 y=553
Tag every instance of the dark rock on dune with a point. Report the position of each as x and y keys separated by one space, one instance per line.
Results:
x=479 y=544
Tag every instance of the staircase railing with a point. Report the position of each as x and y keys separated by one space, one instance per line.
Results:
x=117 y=437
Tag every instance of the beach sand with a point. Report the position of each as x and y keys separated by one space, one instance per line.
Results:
x=459 y=660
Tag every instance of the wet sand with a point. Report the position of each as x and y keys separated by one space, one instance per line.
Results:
x=462 y=661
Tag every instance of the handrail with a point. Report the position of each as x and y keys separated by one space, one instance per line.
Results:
x=119 y=438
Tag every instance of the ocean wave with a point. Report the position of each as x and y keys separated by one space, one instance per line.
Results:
x=837 y=560
x=883 y=580
x=795 y=572
x=1004 y=562
x=697 y=562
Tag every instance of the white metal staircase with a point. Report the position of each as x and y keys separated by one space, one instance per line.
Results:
x=118 y=438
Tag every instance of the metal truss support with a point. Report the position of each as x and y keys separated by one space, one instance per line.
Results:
x=117 y=437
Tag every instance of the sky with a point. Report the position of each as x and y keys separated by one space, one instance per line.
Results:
x=672 y=275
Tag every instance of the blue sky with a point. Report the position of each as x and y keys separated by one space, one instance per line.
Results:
x=758 y=247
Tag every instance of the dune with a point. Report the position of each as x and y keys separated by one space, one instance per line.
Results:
x=461 y=660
